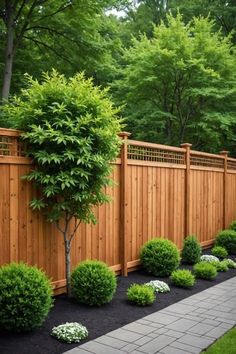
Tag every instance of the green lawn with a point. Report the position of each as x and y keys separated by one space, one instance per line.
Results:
x=224 y=345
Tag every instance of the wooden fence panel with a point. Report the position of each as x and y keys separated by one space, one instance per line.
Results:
x=159 y=191
x=206 y=204
x=231 y=197
x=155 y=206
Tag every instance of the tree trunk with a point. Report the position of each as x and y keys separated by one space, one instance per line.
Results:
x=9 y=51
x=68 y=265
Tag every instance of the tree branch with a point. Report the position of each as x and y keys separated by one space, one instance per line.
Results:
x=38 y=42
x=77 y=224
x=24 y=27
x=52 y=30
x=20 y=9
x=60 y=9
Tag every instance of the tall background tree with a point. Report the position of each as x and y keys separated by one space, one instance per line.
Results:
x=51 y=33
x=180 y=85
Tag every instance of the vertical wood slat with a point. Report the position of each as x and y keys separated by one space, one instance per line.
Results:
x=14 y=210
x=225 y=154
x=187 y=189
x=123 y=204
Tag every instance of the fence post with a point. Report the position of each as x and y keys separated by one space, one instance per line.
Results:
x=123 y=203
x=187 y=147
x=225 y=154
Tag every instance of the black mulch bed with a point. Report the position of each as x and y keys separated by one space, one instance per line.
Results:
x=98 y=320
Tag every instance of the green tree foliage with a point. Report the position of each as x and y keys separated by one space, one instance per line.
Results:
x=180 y=85
x=223 y=12
x=39 y=35
x=71 y=132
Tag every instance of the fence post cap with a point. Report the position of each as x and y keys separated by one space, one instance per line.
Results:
x=184 y=145
x=124 y=135
x=224 y=152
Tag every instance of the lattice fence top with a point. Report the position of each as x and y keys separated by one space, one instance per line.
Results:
x=207 y=161
x=10 y=144
x=166 y=154
x=231 y=164
x=155 y=154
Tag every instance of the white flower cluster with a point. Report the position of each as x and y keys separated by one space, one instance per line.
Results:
x=209 y=258
x=159 y=286
x=72 y=332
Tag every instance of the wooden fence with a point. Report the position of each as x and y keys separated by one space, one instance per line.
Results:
x=160 y=191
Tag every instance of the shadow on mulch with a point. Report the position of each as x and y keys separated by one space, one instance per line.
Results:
x=100 y=320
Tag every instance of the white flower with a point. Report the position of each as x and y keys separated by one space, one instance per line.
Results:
x=209 y=258
x=159 y=286
x=72 y=332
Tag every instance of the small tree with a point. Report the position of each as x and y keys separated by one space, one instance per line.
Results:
x=71 y=132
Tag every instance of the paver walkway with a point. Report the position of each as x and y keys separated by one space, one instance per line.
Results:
x=188 y=326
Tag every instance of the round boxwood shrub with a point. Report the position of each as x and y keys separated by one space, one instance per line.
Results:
x=219 y=252
x=25 y=297
x=191 y=251
x=182 y=278
x=227 y=239
x=93 y=283
x=160 y=257
x=221 y=266
x=205 y=270
x=141 y=295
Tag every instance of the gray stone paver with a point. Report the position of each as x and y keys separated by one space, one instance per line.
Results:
x=186 y=327
x=196 y=341
x=182 y=325
x=201 y=328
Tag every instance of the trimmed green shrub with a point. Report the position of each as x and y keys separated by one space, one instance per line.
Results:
x=230 y=263
x=93 y=283
x=219 y=252
x=25 y=297
x=227 y=239
x=191 y=251
x=182 y=278
x=160 y=257
x=221 y=266
x=205 y=270
x=141 y=295
x=232 y=226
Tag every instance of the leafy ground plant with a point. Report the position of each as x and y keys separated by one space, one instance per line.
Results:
x=160 y=257
x=219 y=252
x=93 y=283
x=227 y=239
x=230 y=263
x=205 y=270
x=221 y=266
x=159 y=286
x=141 y=295
x=72 y=332
x=25 y=297
x=183 y=278
x=191 y=250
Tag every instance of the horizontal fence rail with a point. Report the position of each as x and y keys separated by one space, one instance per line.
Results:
x=159 y=191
